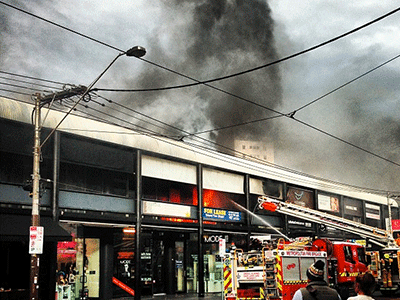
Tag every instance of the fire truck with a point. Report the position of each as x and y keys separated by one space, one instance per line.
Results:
x=278 y=270
x=344 y=266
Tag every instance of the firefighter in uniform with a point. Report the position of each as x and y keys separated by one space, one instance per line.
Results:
x=317 y=288
x=387 y=270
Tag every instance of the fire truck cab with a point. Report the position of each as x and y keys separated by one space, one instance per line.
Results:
x=268 y=274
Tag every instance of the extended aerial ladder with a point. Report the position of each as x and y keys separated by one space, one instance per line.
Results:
x=378 y=236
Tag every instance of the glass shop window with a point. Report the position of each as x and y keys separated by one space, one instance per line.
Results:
x=169 y=191
x=224 y=200
x=78 y=269
x=94 y=180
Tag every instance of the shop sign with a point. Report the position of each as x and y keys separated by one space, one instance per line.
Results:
x=297 y=223
x=166 y=209
x=145 y=255
x=212 y=239
x=372 y=211
x=328 y=203
x=36 y=239
x=123 y=286
x=222 y=214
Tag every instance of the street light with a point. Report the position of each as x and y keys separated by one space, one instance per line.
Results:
x=37 y=232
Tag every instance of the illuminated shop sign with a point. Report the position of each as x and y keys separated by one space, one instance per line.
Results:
x=167 y=209
x=214 y=239
x=222 y=214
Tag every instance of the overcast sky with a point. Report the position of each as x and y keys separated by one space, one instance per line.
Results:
x=210 y=39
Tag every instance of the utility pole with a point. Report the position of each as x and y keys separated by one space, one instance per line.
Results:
x=35 y=221
x=36 y=232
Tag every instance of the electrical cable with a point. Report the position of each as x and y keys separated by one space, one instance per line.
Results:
x=347 y=83
x=219 y=78
x=332 y=136
x=82 y=97
x=120 y=119
x=205 y=82
x=230 y=126
x=347 y=143
x=139 y=113
x=291 y=114
x=20 y=86
x=259 y=160
x=60 y=26
x=173 y=127
x=29 y=77
x=232 y=160
x=27 y=82
x=96 y=118
x=15 y=92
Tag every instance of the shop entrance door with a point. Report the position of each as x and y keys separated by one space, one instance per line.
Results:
x=169 y=264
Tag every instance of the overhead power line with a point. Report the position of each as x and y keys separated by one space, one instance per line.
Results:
x=198 y=82
x=232 y=160
x=28 y=82
x=291 y=114
x=30 y=77
x=211 y=153
x=210 y=80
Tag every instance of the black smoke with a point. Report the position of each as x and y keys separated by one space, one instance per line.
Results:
x=219 y=38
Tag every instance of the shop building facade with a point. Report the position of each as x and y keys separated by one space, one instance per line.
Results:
x=107 y=191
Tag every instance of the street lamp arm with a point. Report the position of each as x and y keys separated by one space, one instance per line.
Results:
x=136 y=51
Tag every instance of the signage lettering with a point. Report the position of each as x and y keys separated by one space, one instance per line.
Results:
x=222 y=214
x=212 y=238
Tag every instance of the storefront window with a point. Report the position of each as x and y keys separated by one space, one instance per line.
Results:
x=78 y=269
x=169 y=191
x=217 y=199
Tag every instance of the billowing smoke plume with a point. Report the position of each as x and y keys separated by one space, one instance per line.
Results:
x=219 y=38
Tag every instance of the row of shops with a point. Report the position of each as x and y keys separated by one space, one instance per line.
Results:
x=132 y=216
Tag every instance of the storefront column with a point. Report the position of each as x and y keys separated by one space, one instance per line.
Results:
x=138 y=224
x=106 y=264
x=56 y=174
x=201 y=230
x=285 y=217
x=249 y=216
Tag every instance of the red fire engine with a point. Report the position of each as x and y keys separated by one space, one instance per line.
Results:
x=347 y=260
x=278 y=273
